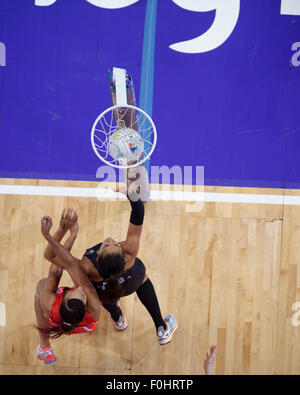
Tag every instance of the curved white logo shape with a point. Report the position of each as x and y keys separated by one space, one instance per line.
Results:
x=227 y=14
x=112 y=4
x=44 y=2
x=290 y=7
x=296 y=57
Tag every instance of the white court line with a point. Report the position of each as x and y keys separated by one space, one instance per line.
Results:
x=2 y=314
x=154 y=195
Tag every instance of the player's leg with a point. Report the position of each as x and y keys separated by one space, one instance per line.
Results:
x=117 y=315
x=44 y=350
x=165 y=327
x=40 y=317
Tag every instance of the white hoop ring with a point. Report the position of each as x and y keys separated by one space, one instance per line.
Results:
x=133 y=108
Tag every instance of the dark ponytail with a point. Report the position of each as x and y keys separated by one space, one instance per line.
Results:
x=111 y=267
x=71 y=314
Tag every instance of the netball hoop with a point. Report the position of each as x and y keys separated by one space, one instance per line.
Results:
x=123 y=136
x=123 y=144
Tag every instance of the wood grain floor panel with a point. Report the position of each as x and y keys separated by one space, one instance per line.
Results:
x=229 y=274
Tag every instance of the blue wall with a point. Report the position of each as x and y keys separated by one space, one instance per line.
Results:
x=233 y=110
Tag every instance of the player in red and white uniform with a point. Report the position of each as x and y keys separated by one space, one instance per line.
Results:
x=63 y=310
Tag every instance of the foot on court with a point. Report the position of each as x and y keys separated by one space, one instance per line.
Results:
x=166 y=335
x=45 y=354
x=122 y=324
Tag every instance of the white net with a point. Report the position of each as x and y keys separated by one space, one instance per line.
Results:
x=123 y=137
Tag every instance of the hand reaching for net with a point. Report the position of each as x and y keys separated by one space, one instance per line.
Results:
x=127 y=190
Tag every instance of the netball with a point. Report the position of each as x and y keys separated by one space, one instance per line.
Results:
x=126 y=143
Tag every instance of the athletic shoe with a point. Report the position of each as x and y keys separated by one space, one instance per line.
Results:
x=122 y=324
x=46 y=355
x=165 y=335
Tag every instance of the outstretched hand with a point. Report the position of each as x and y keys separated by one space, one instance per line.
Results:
x=69 y=220
x=46 y=224
x=127 y=190
x=210 y=357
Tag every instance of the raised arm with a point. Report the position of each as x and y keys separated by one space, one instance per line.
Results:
x=132 y=243
x=53 y=280
x=68 y=221
x=66 y=261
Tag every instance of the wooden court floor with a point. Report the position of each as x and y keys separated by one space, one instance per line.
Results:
x=229 y=273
